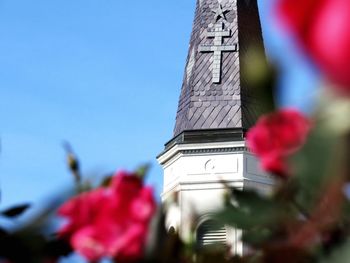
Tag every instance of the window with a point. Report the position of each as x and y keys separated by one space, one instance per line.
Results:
x=211 y=233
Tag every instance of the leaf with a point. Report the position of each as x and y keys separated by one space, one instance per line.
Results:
x=339 y=255
x=57 y=247
x=314 y=165
x=23 y=246
x=143 y=170
x=252 y=210
x=15 y=211
x=257 y=236
x=260 y=77
x=107 y=180
x=3 y=232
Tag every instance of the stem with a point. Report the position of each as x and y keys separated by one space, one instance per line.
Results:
x=301 y=210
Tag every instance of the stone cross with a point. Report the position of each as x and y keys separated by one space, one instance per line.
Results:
x=218 y=33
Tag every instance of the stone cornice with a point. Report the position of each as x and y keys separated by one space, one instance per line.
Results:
x=201 y=148
x=215 y=150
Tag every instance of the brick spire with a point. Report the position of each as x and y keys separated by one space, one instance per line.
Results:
x=214 y=94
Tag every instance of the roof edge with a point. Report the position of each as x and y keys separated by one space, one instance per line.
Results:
x=207 y=135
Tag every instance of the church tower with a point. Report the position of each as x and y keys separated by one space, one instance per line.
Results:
x=208 y=152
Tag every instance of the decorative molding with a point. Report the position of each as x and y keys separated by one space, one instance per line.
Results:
x=214 y=150
x=179 y=149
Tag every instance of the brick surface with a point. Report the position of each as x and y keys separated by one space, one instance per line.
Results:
x=212 y=96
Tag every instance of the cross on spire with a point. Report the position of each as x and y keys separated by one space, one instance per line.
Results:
x=218 y=47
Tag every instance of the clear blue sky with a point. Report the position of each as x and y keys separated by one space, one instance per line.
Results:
x=104 y=75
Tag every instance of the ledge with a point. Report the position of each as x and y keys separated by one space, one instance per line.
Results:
x=207 y=136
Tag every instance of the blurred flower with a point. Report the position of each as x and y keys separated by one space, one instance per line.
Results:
x=110 y=222
x=323 y=29
x=276 y=136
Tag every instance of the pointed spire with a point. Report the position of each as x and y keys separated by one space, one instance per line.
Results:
x=214 y=93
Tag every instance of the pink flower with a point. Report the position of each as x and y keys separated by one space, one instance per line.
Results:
x=323 y=29
x=110 y=221
x=276 y=136
x=82 y=210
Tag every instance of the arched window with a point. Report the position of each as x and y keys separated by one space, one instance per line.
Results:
x=211 y=233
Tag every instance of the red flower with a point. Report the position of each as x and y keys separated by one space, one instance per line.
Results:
x=110 y=221
x=276 y=136
x=323 y=28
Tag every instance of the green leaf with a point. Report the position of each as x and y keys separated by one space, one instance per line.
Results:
x=260 y=77
x=252 y=210
x=256 y=236
x=316 y=163
x=3 y=232
x=143 y=170
x=15 y=211
x=339 y=255
x=106 y=181
x=57 y=247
